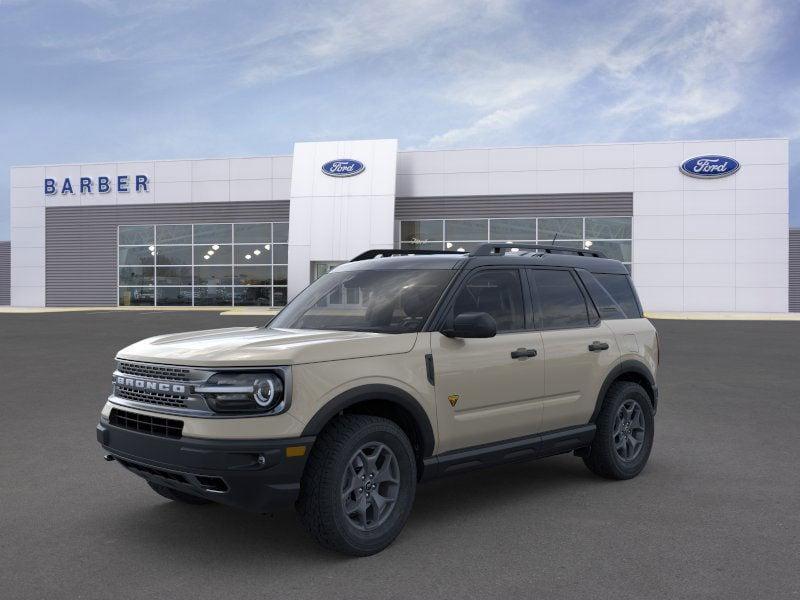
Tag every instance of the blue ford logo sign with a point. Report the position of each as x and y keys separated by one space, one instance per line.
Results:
x=710 y=166
x=343 y=167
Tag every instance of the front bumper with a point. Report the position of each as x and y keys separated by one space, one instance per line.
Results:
x=255 y=475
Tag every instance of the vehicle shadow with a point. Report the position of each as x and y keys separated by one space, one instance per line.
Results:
x=238 y=537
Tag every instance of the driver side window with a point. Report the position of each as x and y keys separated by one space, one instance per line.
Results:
x=496 y=292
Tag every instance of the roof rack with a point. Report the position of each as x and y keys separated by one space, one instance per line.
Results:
x=369 y=254
x=488 y=249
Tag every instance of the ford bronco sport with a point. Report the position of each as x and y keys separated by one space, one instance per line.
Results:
x=397 y=367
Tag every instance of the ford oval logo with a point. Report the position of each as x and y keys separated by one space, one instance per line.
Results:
x=343 y=167
x=710 y=166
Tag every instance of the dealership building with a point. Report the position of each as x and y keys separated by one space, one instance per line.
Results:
x=702 y=225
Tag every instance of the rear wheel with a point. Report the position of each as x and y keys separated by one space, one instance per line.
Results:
x=624 y=435
x=359 y=484
x=177 y=495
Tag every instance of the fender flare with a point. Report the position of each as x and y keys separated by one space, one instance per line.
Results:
x=376 y=391
x=623 y=368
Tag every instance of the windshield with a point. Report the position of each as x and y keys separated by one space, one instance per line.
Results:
x=396 y=301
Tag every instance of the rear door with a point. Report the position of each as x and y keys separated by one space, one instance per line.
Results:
x=489 y=389
x=579 y=348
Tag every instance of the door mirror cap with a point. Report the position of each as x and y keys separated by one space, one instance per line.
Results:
x=472 y=325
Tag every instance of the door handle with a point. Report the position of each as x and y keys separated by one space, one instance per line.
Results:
x=597 y=346
x=523 y=353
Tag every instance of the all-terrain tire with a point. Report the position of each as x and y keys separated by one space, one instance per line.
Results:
x=177 y=495
x=616 y=436
x=334 y=468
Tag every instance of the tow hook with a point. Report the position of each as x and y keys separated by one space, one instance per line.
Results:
x=108 y=457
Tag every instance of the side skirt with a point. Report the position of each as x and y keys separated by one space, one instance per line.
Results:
x=529 y=447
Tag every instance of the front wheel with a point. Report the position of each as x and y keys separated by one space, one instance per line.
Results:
x=359 y=485
x=624 y=437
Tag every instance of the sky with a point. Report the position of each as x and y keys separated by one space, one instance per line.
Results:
x=96 y=80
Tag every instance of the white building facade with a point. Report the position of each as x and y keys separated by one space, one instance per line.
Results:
x=255 y=231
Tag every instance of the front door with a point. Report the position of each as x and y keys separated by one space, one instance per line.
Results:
x=483 y=393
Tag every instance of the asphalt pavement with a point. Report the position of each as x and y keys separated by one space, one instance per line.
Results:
x=716 y=513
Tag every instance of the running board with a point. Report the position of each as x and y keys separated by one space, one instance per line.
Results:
x=529 y=447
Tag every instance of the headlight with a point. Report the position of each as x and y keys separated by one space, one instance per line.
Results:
x=244 y=393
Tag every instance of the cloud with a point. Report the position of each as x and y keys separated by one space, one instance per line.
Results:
x=672 y=64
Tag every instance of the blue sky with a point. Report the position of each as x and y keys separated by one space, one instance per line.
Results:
x=96 y=80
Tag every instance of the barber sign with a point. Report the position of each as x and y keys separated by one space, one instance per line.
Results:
x=343 y=167
x=711 y=166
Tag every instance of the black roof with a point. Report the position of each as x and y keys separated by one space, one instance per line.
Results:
x=486 y=254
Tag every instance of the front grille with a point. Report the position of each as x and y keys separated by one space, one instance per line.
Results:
x=159 y=398
x=154 y=371
x=171 y=428
x=144 y=470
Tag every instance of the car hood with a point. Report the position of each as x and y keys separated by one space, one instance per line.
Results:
x=257 y=346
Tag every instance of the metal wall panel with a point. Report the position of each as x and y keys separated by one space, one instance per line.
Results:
x=550 y=205
x=794 y=270
x=5 y=273
x=82 y=241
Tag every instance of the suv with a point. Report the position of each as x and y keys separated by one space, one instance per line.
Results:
x=397 y=367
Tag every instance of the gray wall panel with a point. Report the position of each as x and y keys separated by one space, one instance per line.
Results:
x=552 y=205
x=794 y=270
x=82 y=241
x=5 y=273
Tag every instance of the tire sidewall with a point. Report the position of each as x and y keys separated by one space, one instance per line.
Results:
x=370 y=541
x=629 y=391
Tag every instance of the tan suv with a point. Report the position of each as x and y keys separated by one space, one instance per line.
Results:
x=392 y=369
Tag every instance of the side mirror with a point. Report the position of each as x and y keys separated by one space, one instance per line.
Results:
x=472 y=325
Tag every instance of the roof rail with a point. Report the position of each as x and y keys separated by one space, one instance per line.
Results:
x=488 y=249
x=369 y=254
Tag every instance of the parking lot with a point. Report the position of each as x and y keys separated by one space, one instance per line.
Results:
x=716 y=514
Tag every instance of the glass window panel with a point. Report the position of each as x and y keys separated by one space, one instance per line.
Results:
x=135 y=235
x=255 y=233
x=428 y=246
x=174 y=296
x=619 y=287
x=212 y=234
x=173 y=234
x=252 y=275
x=136 y=296
x=251 y=254
x=466 y=229
x=204 y=275
x=220 y=256
x=560 y=300
x=609 y=228
x=496 y=292
x=280 y=233
x=280 y=254
x=174 y=255
x=136 y=275
x=279 y=275
x=212 y=296
x=252 y=296
x=577 y=244
x=174 y=276
x=462 y=246
x=512 y=230
x=616 y=250
x=568 y=228
x=135 y=255
x=421 y=231
x=279 y=296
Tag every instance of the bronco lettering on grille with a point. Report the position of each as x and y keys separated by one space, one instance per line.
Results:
x=155 y=386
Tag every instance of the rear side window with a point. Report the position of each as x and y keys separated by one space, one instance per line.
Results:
x=606 y=305
x=561 y=303
x=621 y=290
